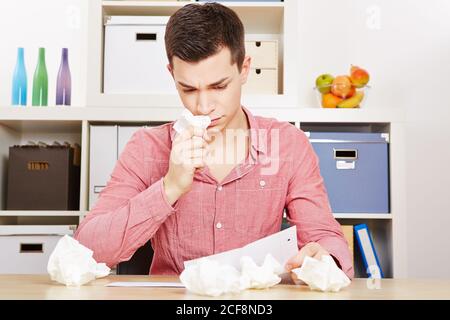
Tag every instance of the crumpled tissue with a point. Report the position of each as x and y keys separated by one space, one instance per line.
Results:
x=323 y=275
x=188 y=119
x=72 y=264
x=209 y=277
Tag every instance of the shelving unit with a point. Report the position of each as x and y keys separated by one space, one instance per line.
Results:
x=262 y=20
x=277 y=19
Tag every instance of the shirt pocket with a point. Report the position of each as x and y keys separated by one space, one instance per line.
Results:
x=259 y=205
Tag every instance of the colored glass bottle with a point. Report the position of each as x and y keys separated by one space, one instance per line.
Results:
x=63 y=81
x=19 y=85
x=40 y=81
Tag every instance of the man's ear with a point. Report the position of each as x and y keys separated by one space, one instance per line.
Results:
x=169 y=67
x=245 y=69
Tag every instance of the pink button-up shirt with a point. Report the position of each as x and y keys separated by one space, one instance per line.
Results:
x=280 y=172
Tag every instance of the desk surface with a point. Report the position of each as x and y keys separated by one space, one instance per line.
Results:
x=41 y=287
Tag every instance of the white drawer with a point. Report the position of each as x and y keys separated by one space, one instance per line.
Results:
x=26 y=249
x=264 y=53
x=261 y=81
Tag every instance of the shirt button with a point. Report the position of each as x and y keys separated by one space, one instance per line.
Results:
x=219 y=188
x=218 y=225
x=262 y=183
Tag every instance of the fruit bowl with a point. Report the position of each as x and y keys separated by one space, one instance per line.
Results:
x=343 y=91
x=356 y=98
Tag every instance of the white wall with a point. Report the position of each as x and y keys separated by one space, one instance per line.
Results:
x=405 y=45
x=52 y=24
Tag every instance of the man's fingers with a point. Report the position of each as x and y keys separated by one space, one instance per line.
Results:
x=210 y=133
x=198 y=132
x=198 y=153
x=296 y=261
x=189 y=132
x=198 y=162
x=198 y=142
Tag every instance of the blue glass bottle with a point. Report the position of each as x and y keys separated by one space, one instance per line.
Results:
x=19 y=83
x=63 y=81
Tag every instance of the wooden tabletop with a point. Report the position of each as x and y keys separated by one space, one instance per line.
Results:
x=41 y=287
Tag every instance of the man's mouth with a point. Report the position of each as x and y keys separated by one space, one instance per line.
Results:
x=214 y=121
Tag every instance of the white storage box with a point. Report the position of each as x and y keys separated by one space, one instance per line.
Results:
x=261 y=81
x=135 y=59
x=106 y=144
x=25 y=249
x=264 y=54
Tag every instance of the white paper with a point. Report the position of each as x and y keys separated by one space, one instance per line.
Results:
x=72 y=264
x=146 y=284
x=322 y=275
x=210 y=278
x=281 y=245
x=188 y=119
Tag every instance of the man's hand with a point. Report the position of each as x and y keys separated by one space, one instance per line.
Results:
x=312 y=249
x=189 y=153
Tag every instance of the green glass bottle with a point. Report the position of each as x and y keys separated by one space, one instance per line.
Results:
x=40 y=81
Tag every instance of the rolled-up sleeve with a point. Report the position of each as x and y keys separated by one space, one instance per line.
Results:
x=309 y=209
x=128 y=211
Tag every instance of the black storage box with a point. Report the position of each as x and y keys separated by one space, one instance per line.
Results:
x=43 y=178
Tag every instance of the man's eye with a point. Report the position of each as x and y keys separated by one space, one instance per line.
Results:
x=188 y=90
x=220 y=87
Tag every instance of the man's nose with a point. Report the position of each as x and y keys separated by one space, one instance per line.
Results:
x=205 y=105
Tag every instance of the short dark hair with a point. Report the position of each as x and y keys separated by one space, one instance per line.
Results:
x=198 y=31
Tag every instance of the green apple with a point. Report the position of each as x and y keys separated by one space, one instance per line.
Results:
x=323 y=83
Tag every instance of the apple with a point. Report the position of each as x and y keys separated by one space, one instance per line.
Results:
x=359 y=76
x=323 y=83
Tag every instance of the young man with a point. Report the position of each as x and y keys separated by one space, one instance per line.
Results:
x=177 y=189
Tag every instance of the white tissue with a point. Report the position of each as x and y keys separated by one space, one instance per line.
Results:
x=188 y=119
x=208 y=277
x=260 y=277
x=72 y=264
x=322 y=274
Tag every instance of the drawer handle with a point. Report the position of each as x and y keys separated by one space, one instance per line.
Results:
x=145 y=36
x=258 y=71
x=258 y=43
x=31 y=247
x=346 y=154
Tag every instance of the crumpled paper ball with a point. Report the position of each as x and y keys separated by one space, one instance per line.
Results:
x=208 y=277
x=72 y=264
x=322 y=275
x=260 y=277
x=188 y=119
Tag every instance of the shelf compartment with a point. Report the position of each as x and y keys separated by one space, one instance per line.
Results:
x=20 y=132
x=249 y=12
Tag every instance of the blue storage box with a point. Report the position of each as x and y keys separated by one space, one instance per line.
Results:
x=355 y=168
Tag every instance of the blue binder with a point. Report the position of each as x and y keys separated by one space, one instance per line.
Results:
x=367 y=249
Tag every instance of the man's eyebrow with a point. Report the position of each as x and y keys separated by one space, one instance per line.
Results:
x=210 y=85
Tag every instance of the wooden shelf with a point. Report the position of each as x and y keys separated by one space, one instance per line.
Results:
x=39 y=213
x=380 y=216
x=15 y=116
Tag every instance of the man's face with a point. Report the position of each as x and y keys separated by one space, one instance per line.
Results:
x=211 y=87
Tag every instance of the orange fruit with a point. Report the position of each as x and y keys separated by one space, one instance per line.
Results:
x=341 y=86
x=329 y=100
